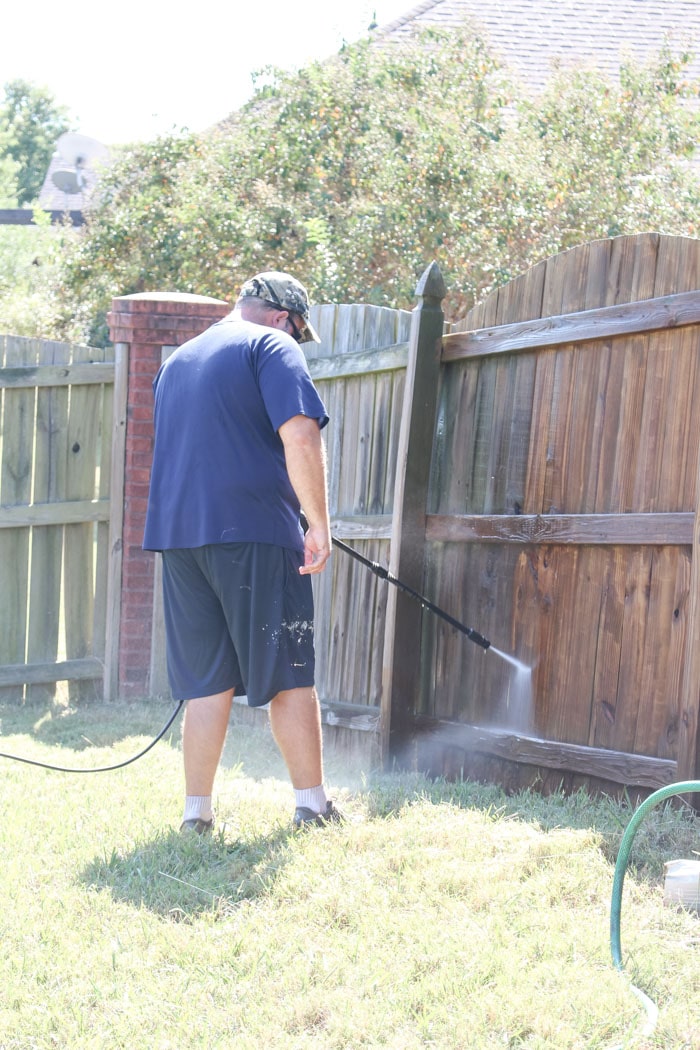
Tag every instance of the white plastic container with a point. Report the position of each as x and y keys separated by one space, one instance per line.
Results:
x=682 y=883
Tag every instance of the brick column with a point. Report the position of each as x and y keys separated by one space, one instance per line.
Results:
x=146 y=323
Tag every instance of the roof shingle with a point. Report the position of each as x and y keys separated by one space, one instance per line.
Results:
x=532 y=36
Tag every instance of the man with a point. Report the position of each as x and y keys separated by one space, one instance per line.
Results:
x=238 y=451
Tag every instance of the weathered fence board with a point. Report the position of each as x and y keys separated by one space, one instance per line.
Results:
x=114 y=481
x=15 y=489
x=59 y=375
x=664 y=528
x=83 y=447
x=47 y=543
x=52 y=671
x=671 y=311
x=70 y=512
x=359 y=369
x=614 y=766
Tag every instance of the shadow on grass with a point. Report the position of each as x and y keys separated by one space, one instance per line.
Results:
x=184 y=877
x=88 y=724
x=667 y=832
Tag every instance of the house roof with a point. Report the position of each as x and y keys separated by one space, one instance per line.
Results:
x=51 y=197
x=73 y=174
x=532 y=36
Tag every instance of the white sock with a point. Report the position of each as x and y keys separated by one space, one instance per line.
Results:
x=197 y=806
x=314 y=799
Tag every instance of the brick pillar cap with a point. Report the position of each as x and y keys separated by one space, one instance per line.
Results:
x=171 y=297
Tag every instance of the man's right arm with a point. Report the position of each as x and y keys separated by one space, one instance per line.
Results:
x=305 y=457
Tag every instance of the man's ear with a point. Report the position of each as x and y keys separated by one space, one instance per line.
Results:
x=251 y=310
x=277 y=319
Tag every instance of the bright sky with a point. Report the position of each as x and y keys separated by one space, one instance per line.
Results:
x=136 y=69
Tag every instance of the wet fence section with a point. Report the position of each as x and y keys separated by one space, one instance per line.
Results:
x=563 y=513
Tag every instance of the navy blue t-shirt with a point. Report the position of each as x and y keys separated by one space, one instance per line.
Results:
x=219 y=473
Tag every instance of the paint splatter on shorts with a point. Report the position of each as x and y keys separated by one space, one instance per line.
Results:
x=237 y=615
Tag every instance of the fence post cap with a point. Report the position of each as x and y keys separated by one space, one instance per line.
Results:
x=431 y=285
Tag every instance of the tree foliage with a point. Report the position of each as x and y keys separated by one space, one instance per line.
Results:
x=8 y=172
x=30 y=256
x=356 y=172
x=30 y=262
x=30 y=123
x=597 y=160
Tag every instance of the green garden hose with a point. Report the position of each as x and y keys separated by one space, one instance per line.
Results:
x=682 y=788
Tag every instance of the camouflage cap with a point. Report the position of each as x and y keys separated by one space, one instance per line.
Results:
x=283 y=290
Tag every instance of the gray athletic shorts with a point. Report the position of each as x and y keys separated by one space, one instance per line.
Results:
x=237 y=616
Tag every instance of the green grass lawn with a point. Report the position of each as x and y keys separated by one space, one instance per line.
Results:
x=443 y=915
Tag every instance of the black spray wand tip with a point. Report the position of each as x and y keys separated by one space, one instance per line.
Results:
x=479 y=639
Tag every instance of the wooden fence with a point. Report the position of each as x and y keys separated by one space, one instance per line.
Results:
x=563 y=523
x=532 y=469
x=56 y=440
x=548 y=497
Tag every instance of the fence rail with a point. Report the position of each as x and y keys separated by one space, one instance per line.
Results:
x=606 y=322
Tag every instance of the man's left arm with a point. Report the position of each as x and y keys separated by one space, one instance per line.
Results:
x=305 y=456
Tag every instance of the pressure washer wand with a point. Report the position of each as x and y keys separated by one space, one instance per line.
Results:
x=380 y=571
